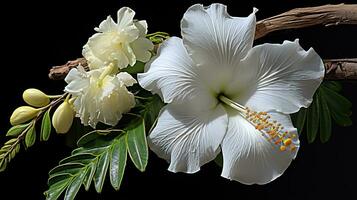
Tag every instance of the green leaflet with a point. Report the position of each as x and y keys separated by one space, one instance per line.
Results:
x=149 y=109
x=118 y=162
x=98 y=152
x=137 y=145
x=17 y=130
x=312 y=124
x=327 y=105
x=46 y=126
x=325 y=120
x=30 y=137
x=8 y=152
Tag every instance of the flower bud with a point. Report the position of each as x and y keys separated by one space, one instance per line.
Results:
x=35 y=97
x=23 y=114
x=62 y=119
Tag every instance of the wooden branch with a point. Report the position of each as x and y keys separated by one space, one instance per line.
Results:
x=337 y=69
x=61 y=71
x=341 y=69
x=303 y=17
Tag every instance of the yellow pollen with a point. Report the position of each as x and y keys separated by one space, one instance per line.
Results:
x=270 y=129
x=259 y=127
x=282 y=148
x=287 y=142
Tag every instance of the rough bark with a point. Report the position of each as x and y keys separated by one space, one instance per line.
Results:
x=326 y=15
x=341 y=69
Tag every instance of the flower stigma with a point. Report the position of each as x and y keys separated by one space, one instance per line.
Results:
x=270 y=129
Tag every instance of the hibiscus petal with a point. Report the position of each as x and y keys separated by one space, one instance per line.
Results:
x=173 y=76
x=213 y=37
x=188 y=139
x=248 y=157
x=286 y=76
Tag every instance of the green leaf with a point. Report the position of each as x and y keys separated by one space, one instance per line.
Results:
x=333 y=85
x=17 y=130
x=151 y=110
x=137 y=145
x=102 y=168
x=46 y=126
x=89 y=163
x=118 y=162
x=219 y=160
x=312 y=125
x=56 y=189
x=90 y=174
x=339 y=106
x=30 y=137
x=3 y=164
x=74 y=186
x=137 y=68
x=325 y=121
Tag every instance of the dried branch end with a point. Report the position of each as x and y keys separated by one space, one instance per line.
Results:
x=61 y=71
x=326 y=15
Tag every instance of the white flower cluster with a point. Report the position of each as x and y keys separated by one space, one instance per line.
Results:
x=101 y=95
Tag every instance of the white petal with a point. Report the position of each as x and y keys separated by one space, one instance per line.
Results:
x=188 y=140
x=128 y=51
x=250 y=158
x=126 y=78
x=142 y=26
x=107 y=25
x=125 y=17
x=93 y=61
x=213 y=37
x=286 y=76
x=174 y=76
x=141 y=48
x=77 y=82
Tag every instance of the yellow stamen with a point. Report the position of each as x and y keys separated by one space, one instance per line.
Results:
x=273 y=131
x=282 y=148
x=287 y=142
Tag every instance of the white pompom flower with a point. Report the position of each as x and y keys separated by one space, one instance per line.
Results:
x=100 y=96
x=121 y=43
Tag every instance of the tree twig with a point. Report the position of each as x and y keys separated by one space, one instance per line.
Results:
x=341 y=69
x=336 y=69
x=60 y=72
x=326 y=15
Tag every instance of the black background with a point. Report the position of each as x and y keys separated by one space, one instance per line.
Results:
x=38 y=35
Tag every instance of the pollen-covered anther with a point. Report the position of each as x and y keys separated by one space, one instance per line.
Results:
x=272 y=130
x=282 y=148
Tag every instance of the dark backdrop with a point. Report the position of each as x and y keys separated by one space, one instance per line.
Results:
x=37 y=35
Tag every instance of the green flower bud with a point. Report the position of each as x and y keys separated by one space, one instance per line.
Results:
x=62 y=119
x=35 y=97
x=23 y=114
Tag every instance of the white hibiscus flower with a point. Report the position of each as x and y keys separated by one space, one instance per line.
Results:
x=225 y=95
x=100 y=96
x=121 y=43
